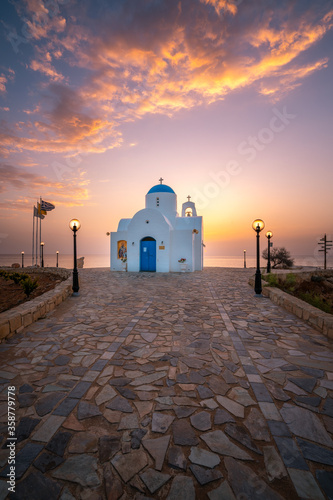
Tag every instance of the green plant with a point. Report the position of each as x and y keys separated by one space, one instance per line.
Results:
x=290 y=282
x=315 y=301
x=272 y=279
x=29 y=285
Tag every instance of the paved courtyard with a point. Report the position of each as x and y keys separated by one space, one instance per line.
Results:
x=169 y=386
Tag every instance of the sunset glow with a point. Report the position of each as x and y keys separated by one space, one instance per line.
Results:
x=229 y=101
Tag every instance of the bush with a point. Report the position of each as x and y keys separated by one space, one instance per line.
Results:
x=280 y=257
x=272 y=279
x=29 y=285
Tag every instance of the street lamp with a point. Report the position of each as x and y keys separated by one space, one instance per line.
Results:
x=75 y=226
x=258 y=225
x=244 y=259
x=269 y=235
x=42 y=249
x=22 y=253
x=57 y=258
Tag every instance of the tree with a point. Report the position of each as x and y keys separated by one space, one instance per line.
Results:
x=280 y=257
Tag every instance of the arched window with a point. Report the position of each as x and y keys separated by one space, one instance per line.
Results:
x=188 y=212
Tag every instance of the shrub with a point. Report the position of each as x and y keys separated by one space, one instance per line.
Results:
x=29 y=285
x=272 y=279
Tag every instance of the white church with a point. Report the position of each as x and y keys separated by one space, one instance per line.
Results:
x=157 y=238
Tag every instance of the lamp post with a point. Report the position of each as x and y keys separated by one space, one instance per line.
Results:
x=22 y=253
x=42 y=249
x=57 y=258
x=244 y=259
x=75 y=226
x=258 y=225
x=269 y=235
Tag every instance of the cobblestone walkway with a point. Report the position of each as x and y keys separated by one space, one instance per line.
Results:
x=169 y=386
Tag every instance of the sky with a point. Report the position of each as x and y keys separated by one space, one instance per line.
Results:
x=230 y=101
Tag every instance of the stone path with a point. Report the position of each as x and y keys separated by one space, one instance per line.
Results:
x=169 y=386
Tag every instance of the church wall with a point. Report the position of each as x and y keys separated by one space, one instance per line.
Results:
x=167 y=203
x=115 y=263
x=181 y=244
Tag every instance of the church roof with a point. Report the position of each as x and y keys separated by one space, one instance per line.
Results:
x=161 y=188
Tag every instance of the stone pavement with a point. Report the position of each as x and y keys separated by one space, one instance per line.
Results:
x=169 y=386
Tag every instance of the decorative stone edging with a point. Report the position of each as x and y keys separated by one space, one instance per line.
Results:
x=15 y=319
x=312 y=315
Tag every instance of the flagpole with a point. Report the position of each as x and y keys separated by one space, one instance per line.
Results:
x=33 y=235
x=40 y=233
x=36 y=249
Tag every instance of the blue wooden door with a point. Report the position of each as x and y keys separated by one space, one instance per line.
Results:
x=148 y=255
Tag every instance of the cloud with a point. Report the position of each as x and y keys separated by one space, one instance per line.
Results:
x=139 y=58
x=73 y=192
x=3 y=81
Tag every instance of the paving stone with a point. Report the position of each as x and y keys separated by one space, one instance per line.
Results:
x=246 y=484
x=47 y=461
x=204 y=392
x=176 y=458
x=24 y=459
x=26 y=399
x=294 y=389
x=184 y=401
x=217 y=385
x=201 y=421
x=119 y=382
x=304 y=423
x=183 y=433
x=62 y=360
x=290 y=453
x=273 y=463
x=48 y=429
x=108 y=446
x=25 y=428
x=308 y=384
x=204 y=476
x=305 y=485
x=223 y=492
x=217 y=441
x=161 y=422
x=222 y=417
x=136 y=438
x=328 y=407
x=79 y=390
x=87 y=410
x=120 y=404
x=308 y=400
x=277 y=392
x=325 y=480
x=83 y=442
x=106 y=394
x=261 y=393
x=257 y=425
x=36 y=486
x=315 y=453
x=66 y=407
x=157 y=449
x=127 y=393
x=79 y=469
x=233 y=407
x=154 y=479
x=25 y=388
x=130 y=464
x=182 y=487
x=59 y=442
x=148 y=379
x=238 y=433
x=270 y=411
x=241 y=396
x=128 y=422
x=199 y=456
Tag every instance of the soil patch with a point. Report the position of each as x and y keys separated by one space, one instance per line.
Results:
x=12 y=294
x=317 y=291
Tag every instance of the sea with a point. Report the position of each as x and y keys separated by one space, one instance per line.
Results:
x=91 y=261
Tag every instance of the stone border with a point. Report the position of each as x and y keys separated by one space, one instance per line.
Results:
x=16 y=319
x=312 y=315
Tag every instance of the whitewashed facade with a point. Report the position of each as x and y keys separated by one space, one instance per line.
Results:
x=156 y=238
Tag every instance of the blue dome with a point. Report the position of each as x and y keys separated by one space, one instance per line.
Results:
x=161 y=188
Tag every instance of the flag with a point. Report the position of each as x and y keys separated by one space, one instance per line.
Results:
x=36 y=214
x=45 y=205
x=39 y=208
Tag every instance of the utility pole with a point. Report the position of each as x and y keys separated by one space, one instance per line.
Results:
x=326 y=247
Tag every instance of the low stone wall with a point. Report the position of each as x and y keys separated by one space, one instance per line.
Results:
x=312 y=315
x=15 y=319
